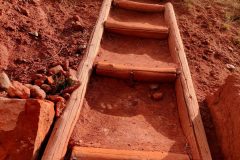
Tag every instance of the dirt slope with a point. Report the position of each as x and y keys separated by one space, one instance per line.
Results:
x=211 y=42
x=37 y=33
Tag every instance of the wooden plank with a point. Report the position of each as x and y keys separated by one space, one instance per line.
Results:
x=136 y=29
x=185 y=121
x=58 y=142
x=87 y=153
x=178 y=53
x=136 y=73
x=138 y=6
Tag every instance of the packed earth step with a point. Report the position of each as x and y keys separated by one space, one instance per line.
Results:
x=24 y=125
x=138 y=6
x=139 y=24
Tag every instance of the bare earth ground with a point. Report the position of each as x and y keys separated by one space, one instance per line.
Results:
x=211 y=41
x=57 y=40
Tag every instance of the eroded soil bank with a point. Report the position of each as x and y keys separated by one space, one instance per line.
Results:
x=38 y=33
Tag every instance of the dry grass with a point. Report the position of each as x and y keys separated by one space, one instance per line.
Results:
x=232 y=11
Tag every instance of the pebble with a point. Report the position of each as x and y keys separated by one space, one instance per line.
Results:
x=154 y=86
x=66 y=96
x=66 y=65
x=72 y=74
x=5 y=82
x=17 y=89
x=60 y=106
x=36 y=91
x=76 y=18
x=157 y=95
x=50 y=80
x=35 y=34
x=39 y=82
x=230 y=67
x=46 y=87
x=71 y=88
x=56 y=98
x=56 y=69
x=77 y=26
x=109 y=106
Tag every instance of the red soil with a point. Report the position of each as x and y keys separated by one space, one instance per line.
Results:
x=129 y=118
x=208 y=46
x=137 y=52
x=58 y=40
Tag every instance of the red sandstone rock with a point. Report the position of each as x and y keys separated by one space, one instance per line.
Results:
x=24 y=125
x=56 y=69
x=36 y=91
x=17 y=89
x=5 y=82
x=224 y=106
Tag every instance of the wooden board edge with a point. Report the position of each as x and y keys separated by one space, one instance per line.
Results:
x=138 y=6
x=63 y=128
x=178 y=54
x=115 y=154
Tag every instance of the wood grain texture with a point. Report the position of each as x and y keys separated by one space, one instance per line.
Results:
x=136 y=73
x=192 y=107
x=139 y=30
x=88 y=153
x=58 y=142
x=138 y=6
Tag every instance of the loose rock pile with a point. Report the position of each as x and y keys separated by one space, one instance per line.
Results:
x=56 y=86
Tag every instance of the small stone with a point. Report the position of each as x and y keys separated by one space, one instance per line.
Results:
x=66 y=65
x=230 y=48
x=60 y=106
x=35 y=34
x=5 y=82
x=46 y=87
x=72 y=74
x=71 y=88
x=66 y=96
x=50 y=80
x=55 y=98
x=154 y=86
x=17 y=89
x=24 y=12
x=76 y=18
x=39 y=82
x=157 y=95
x=102 y=105
x=36 y=91
x=55 y=70
x=109 y=106
x=37 y=76
x=230 y=67
x=3 y=94
x=77 y=26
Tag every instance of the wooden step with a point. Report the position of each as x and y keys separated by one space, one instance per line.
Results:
x=88 y=153
x=136 y=73
x=137 y=29
x=138 y=6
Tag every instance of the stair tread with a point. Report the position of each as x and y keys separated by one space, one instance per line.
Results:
x=146 y=25
x=90 y=152
x=138 y=6
x=137 y=19
x=133 y=51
